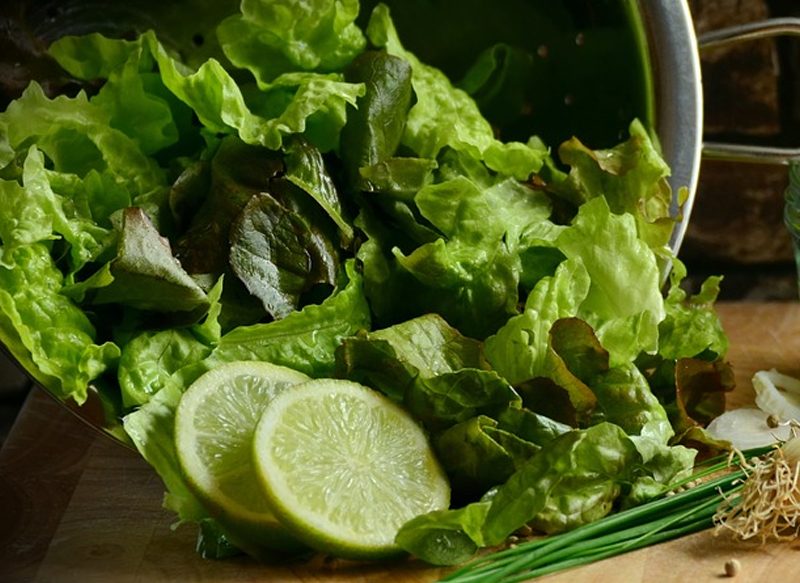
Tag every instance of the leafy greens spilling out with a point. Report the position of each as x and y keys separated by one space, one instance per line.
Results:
x=332 y=204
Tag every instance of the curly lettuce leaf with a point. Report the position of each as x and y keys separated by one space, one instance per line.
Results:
x=691 y=327
x=460 y=209
x=624 y=304
x=304 y=340
x=132 y=94
x=632 y=177
x=474 y=291
x=76 y=136
x=445 y=116
x=217 y=100
x=44 y=330
x=35 y=213
x=154 y=108
x=519 y=349
x=471 y=274
x=150 y=360
x=270 y=38
x=427 y=345
x=438 y=374
x=93 y=55
x=157 y=360
x=572 y=481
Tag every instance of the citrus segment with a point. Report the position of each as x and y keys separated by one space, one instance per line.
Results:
x=344 y=468
x=214 y=425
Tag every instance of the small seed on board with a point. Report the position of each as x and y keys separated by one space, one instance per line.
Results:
x=732 y=568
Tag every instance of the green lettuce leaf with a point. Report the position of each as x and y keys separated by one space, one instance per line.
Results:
x=445 y=116
x=220 y=105
x=155 y=360
x=691 y=326
x=150 y=360
x=624 y=304
x=398 y=177
x=470 y=275
x=35 y=213
x=374 y=130
x=305 y=168
x=518 y=351
x=151 y=428
x=477 y=455
x=304 y=340
x=427 y=344
x=452 y=397
x=625 y=399
x=663 y=465
x=462 y=210
x=133 y=94
x=76 y=136
x=572 y=481
x=531 y=426
x=438 y=374
x=474 y=291
x=271 y=38
x=50 y=336
x=445 y=537
x=632 y=177
x=94 y=56
x=153 y=108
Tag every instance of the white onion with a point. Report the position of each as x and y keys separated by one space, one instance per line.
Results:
x=777 y=394
x=746 y=428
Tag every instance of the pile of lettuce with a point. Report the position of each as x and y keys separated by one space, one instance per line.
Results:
x=328 y=202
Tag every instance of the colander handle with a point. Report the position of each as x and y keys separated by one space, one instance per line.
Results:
x=736 y=34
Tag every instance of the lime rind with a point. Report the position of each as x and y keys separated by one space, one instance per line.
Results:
x=214 y=425
x=343 y=467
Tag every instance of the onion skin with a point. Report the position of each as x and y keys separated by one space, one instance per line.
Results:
x=747 y=428
x=777 y=394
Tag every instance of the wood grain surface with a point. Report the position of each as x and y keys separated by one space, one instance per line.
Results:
x=77 y=507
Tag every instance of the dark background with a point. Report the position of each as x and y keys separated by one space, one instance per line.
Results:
x=752 y=95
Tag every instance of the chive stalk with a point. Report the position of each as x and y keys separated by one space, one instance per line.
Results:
x=668 y=517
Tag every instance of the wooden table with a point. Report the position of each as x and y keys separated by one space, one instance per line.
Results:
x=77 y=507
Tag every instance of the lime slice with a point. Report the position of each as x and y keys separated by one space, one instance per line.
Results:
x=343 y=467
x=214 y=425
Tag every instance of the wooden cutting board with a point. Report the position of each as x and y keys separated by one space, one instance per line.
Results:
x=77 y=507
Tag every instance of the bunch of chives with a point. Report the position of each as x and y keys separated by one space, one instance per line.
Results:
x=671 y=516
